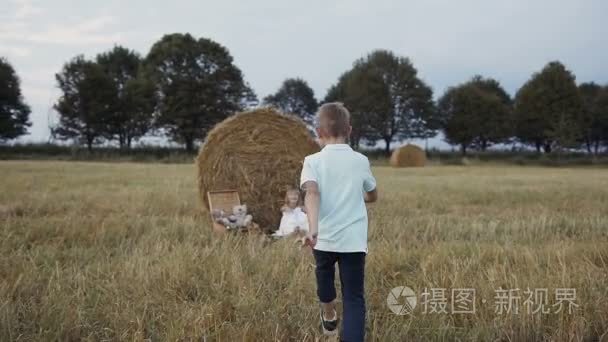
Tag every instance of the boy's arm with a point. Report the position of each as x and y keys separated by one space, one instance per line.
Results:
x=311 y=203
x=312 y=198
x=371 y=196
x=370 y=190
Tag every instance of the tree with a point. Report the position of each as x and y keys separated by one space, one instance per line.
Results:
x=408 y=102
x=86 y=101
x=595 y=118
x=601 y=117
x=387 y=92
x=14 y=112
x=138 y=108
x=197 y=86
x=132 y=110
x=295 y=97
x=361 y=103
x=476 y=113
x=548 y=109
x=337 y=93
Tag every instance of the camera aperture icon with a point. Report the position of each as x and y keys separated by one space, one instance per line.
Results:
x=401 y=300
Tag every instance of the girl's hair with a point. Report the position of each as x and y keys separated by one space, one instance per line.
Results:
x=292 y=191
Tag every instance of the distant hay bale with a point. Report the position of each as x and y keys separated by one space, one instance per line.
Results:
x=408 y=155
x=258 y=153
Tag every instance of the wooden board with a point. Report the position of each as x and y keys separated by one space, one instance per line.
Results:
x=222 y=200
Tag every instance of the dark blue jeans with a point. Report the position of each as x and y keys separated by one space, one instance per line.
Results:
x=352 y=270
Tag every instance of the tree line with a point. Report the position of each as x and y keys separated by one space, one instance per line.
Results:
x=185 y=85
x=181 y=89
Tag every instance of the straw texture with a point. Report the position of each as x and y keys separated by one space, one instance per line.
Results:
x=259 y=153
x=408 y=155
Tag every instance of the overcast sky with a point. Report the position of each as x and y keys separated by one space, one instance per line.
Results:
x=448 y=41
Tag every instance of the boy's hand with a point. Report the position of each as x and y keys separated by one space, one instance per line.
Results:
x=310 y=240
x=371 y=196
x=311 y=201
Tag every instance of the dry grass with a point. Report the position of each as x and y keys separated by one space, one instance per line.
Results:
x=92 y=251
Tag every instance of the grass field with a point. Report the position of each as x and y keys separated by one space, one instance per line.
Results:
x=120 y=251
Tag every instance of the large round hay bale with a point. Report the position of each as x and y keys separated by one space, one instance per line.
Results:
x=408 y=155
x=258 y=153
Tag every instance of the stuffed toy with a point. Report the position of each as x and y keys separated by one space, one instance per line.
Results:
x=220 y=217
x=238 y=219
x=240 y=216
x=217 y=215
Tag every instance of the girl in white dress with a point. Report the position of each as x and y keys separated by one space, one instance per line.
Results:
x=294 y=220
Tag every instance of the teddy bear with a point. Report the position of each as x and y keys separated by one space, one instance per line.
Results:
x=218 y=215
x=238 y=219
x=240 y=216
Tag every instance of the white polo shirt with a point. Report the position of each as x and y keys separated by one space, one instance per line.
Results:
x=342 y=176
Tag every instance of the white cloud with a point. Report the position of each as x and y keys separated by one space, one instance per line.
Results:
x=23 y=27
x=15 y=51
x=85 y=32
x=25 y=9
x=32 y=34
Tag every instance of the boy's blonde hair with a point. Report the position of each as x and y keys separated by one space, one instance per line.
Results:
x=334 y=120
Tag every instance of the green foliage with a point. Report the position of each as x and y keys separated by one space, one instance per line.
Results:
x=197 y=86
x=476 y=114
x=86 y=103
x=364 y=95
x=601 y=117
x=139 y=102
x=167 y=154
x=387 y=98
x=132 y=110
x=14 y=112
x=548 y=109
x=185 y=85
x=120 y=63
x=47 y=151
x=296 y=97
x=595 y=118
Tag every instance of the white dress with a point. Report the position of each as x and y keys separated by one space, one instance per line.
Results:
x=291 y=219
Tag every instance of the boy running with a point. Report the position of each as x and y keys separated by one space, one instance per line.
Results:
x=338 y=182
